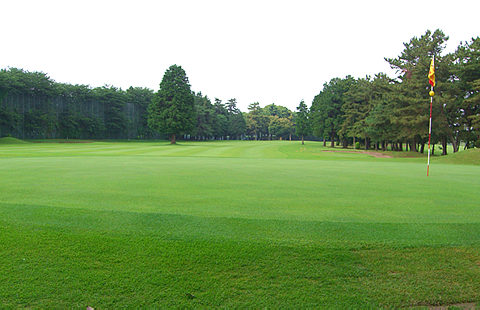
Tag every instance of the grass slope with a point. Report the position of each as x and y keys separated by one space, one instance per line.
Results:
x=11 y=140
x=467 y=157
x=233 y=224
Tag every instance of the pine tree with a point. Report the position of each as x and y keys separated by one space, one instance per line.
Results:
x=172 y=109
x=302 y=126
x=410 y=113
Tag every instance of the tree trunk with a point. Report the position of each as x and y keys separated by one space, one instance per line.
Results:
x=455 y=144
x=444 y=146
x=302 y=140
x=172 y=139
x=324 y=141
x=433 y=149
x=354 y=146
x=333 y=141
x=290 y=137
x=422 y=147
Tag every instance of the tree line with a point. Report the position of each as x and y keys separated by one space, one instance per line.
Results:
x=378 y=111
x=374 y=112
x=34 y=106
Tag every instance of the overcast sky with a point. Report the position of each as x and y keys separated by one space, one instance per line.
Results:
x=267 y=51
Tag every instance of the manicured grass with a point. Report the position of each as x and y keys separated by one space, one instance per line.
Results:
x=234 y=224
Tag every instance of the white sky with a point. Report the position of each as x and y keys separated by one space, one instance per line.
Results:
x=265 y=51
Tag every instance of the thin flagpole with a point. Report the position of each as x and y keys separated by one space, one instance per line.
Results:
x=429 y=133
x=431 y=80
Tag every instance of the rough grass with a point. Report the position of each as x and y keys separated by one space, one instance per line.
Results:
x=233 y=224
x=467 y=157
x=11 y=140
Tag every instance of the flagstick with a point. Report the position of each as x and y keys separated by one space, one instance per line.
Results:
x=429 y=133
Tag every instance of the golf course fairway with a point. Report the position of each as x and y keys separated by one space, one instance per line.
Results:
x=249 y=224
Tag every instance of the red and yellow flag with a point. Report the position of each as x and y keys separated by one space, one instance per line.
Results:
x=431 y=73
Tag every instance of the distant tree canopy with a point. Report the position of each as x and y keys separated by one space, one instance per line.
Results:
x=33 y=106
x=376 y=111
x=395 y=110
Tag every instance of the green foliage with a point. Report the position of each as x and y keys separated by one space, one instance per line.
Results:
x=257 y=121
x=326 y=110
x=236 y=122
x=380 y=110
x=9 y=120
x=139 y=98
x=280 y=127
x=411 y=99
x=467 y=90
x=113 y=101
x=272 y=121
x=302 y=125
x=221 y=119
x=205 y=114
x=378 y=123
x=18 y=81
x=277 y=110
x=39 y=124
x=34 y=106
x=396 y=111
x=171 y=111
x=357 y=106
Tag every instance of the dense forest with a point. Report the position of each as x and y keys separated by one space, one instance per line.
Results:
x=33 y=106
x=372 y=112
x=380 y=110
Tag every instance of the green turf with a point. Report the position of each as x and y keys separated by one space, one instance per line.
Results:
x=467 y=157
x=234 y=224
x=11 y=140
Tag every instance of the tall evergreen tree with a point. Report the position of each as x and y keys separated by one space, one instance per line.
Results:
x=236 y=122
x=205 y=115
x=378 y=121
x=411 y=98
x=172 y=109
x=302 y=126
x=326 y=110
x=467 y=85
